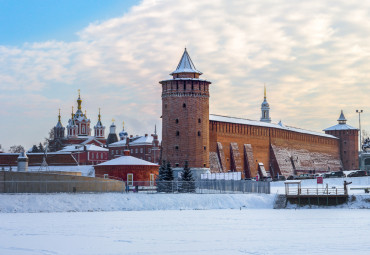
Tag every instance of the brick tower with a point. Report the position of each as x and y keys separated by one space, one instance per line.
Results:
x=185 y=118
x=348 y=139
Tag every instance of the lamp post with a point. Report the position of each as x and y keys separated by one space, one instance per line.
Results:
x=359 y=124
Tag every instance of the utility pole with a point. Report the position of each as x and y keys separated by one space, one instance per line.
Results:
x=359 y=124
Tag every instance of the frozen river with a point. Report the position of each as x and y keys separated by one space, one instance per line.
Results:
x=253 y=231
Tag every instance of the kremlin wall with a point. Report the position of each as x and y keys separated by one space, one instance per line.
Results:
x=223 y=144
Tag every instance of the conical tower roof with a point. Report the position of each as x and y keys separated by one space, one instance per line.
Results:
x=186 y=65
x=342 y=119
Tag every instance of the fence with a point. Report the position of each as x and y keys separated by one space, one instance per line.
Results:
x=201 y=186
x=70 y=186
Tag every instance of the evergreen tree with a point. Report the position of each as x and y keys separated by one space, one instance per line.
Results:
x=161 y=176
x=168 y=178
x=34 y=149
x=41 y=148
x=187 y=184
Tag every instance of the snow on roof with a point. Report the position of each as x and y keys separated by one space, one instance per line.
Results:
x=89 y=147
x=127 y=160
x=186 y=65
x=118 y=144
x=340 y=127
x=142 y=140
x=220 y=118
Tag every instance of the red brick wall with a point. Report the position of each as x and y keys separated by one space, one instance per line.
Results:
x=140 y=173
x=261 y=139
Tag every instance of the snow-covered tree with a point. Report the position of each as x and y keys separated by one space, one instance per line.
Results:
x=187 y=184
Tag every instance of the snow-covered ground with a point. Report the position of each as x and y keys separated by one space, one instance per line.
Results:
x=259 y=231
x=130 y=202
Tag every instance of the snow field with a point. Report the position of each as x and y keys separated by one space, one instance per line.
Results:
x=64 y=202
x=259 y=231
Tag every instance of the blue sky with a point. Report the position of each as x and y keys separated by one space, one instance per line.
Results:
x=312 y=55
x=41 y=20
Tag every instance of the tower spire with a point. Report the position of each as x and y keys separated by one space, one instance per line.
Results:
x=59 y=115
x=72 y=111
x=99 y=115
x=79 y=101
x=265 y=108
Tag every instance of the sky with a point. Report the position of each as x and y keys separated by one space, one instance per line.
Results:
x=312 y=56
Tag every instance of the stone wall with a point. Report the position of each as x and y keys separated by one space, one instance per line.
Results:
x=31 y=182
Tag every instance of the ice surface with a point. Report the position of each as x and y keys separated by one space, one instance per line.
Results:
x=223 y=232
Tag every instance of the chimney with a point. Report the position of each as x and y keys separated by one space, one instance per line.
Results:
x=126 y=153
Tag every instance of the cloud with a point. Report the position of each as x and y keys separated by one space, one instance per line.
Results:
x=312 y=56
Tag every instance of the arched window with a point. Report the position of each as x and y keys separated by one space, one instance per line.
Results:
x=184 y=105
x=177 y=121
x=198 y=133
x=177 y=133
x=199 y=120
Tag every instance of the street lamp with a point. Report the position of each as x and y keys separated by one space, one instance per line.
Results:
x=359 y=124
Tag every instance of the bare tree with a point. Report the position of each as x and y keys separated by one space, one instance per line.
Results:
x=16 y=149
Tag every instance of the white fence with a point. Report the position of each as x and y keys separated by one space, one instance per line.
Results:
x=236 y=176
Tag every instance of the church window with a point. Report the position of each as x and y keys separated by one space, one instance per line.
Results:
x=141 y=150
x=101 y=156
x=83 y=129
x=149 y=150
x=184 y=86
x=136 y=150
x=92 y=155
x=264 y=115
x=132 y=151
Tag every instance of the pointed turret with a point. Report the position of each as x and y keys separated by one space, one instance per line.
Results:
x=265 y=109
x=112 y=137
x=59 y=129
x=342 y=120
x=99 y=128
x=72 y=127
x=186 y=68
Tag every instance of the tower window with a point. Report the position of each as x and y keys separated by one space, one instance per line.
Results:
x=199 y=120
x=184 y=86
x=198 y=133
x=176 y=164
x=165 y=106
x=204 y=165
x=176 y=147
x=184 y=105
x=204 y=147
x=177 y=121
x=177 y=133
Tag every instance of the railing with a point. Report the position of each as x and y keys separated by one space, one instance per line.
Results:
x=315 y=191
x=201 y=187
